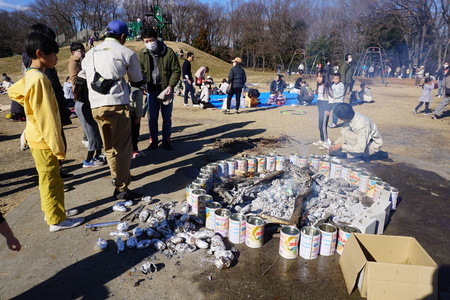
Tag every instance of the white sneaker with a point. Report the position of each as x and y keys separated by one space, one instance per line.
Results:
x=318 y=143
x=196 y=105
x=66 y=224
x=85 y=143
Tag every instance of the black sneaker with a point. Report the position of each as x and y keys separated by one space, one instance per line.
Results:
x=236 y=112
x=152 y=146
x=167 y=146
x=127 y=195
x=434 y=117
x=66 y=176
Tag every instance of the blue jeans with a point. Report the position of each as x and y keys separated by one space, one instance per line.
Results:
x=188 y=88
x=154 y=106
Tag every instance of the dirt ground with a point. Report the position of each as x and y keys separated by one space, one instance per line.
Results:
x=66 y=264
x=414 y=136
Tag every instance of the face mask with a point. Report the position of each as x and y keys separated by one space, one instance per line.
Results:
x=349 y=59
x=446 y=66
x=151 y=46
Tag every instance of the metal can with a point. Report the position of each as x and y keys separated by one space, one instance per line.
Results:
x=345 y=172
x=335 y=170
x=344 y=233
x=254 y=233
x=222 y=221
x=379 y=187
x=314 y=160
x=354 y=176
x=200 y=182
x=207 y=180
x=252 y=164
x=214 y=167
x=289 y=238
x=364 y=177
x=270 y=163
x=208 y=173
x=302 y=161
x=393 y=198
x=279 y=162
x=211 y=214
x=309 y=242
x=222 y=168
x=328 y=237
x=192 y=187
x=231 y=163
x=241 y=165
x=293 y=158
x=203 y=200
x=261 y=163
x=371 y=181
x=237 y=228
x=325 y=166
x=193 y=199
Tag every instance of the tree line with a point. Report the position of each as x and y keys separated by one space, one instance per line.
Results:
x=264 y=33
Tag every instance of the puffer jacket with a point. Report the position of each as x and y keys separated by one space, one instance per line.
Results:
x=237 y=77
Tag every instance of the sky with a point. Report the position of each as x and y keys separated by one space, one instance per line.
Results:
x=10 y=5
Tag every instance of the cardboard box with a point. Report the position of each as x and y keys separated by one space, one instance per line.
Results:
x=388 y=267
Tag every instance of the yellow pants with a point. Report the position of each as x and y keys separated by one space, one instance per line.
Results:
x=51 y=186
x=115 y=129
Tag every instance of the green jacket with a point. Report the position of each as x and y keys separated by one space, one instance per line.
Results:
x=168 y=66
x=346 y=71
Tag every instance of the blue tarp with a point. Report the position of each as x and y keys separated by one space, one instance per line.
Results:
x=291 y=98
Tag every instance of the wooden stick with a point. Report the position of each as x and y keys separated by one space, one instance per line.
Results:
x=270 y=266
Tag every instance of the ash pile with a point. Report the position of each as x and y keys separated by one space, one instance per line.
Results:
x=297 y=195
x=164 y=231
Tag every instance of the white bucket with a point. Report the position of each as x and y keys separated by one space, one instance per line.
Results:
x=237 y=228
x=211 y=214
x=328 y=239
x=344 y=233
x=254 y=237
x=309 y=242
x=289 y=238
x=222 y=221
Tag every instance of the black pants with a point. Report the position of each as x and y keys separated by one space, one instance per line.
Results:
x=237 y=92
x=135 y=128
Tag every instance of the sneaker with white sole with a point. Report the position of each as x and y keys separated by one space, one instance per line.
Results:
x=66 y=224
x=91 y=164
x=318 y=143
x=414 y=111
x=332 y=125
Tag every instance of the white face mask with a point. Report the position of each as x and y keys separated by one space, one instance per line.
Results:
x=349 y=59
x=446 y=66
x=151 y=46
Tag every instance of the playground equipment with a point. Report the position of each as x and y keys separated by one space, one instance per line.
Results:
x=156 y=18
x=299 y=52
x=368 y=56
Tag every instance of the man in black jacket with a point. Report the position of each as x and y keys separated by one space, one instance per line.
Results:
x=187 y=79
x=236 y=79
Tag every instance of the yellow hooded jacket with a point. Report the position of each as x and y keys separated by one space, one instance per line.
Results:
x=43 y=131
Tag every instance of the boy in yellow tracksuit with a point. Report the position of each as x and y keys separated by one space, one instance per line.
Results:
x=43 y=130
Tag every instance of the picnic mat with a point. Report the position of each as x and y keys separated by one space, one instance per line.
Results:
x=291 y=98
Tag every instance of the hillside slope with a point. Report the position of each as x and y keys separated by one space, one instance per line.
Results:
x=219 y=69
